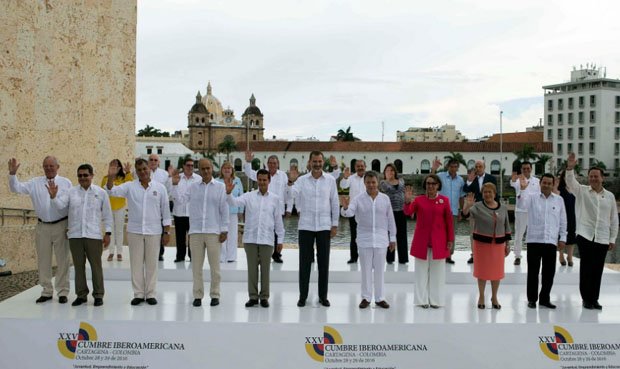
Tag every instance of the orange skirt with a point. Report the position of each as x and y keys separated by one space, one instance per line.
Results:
x=489 y=260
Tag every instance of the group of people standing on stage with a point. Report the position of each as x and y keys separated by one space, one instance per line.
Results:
x=557 y=212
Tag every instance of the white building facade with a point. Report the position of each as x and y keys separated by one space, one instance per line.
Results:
x=583 y=116
x=445 y=133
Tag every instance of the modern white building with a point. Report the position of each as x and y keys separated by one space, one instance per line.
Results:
x=169 y=149
x=583 y=116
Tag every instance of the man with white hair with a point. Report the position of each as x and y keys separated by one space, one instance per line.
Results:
x=475 y=179
x=50 y=229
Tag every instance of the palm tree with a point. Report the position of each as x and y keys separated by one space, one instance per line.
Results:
x=182 y=160
x=455 y=156
x=149 y=131
x=543 y=159
x=577 y=168
x=526 y=153
x=598 y=164
x=345 y=135
x=227 y=146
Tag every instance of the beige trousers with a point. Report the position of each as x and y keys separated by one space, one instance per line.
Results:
x=143 y=256
x=198 y=243
x=51 y=239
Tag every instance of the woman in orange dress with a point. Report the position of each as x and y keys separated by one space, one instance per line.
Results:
x=491 y=233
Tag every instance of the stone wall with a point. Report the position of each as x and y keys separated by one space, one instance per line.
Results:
x=67 y=88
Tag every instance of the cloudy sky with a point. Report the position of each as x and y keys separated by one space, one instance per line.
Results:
x=322 y=65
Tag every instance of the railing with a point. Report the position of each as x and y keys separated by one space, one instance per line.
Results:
x=25 y=214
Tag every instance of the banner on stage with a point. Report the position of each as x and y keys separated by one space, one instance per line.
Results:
x=150 y=345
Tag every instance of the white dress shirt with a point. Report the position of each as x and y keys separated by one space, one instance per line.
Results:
x=596 y=212
x=208 y=210
x=262 y=217
x=87 y=210
x=147 y=208
x=318 y=201
x=181 y=208
x=546 y=219
x=355 y=184
x=37 y=189
x=161 y=176
x=375 y=220
x=533 y=187
x=278 y=184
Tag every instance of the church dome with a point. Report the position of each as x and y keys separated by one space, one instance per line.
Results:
x=213 y=104
x=199 y=107
x=252 y=109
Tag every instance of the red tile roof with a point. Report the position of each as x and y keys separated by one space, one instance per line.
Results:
x=528 y=137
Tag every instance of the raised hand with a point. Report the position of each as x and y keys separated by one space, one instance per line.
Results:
x=347 y=172
x=13 y=166
x=523 y=182
x=470 y=200
x=571 y=161
x=230 y=185
x=409 y=195
x=52 y=188
x=436 y=164
x=175 y=177
x=293 y=173
x=514 y=177
x=127 y=168
x=249 y=156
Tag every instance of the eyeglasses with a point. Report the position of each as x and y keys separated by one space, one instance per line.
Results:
x=189 y=165
x=431 y=183
x=153 y=159
x=83 y=175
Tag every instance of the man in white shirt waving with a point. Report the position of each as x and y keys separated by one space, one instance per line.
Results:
x=208 y=228
x=533 y=187
x=51 y=227
x=597 y=228
x=317 y=196
x=546 y=234
x=89 y=207
x=180 y=211
x=148 y=210
x=355 y=184
x=263 y=220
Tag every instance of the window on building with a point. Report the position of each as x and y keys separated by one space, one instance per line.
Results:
x=559 y=149
x=591 y=148
x=560 y=119
x=202 y=120
x=617 y=120
x=580 y=148
x=550 y=105
x=617 y=101
x=560 y=134
x=550 y=119
x=616 y=148
x=617 y=133
x=580 y=117
x=166 y=163
x=580 y=162
x=149 y=150
x=569 y=147
x=591 y=162
x=160 y=151
x=197 y=120
x=592 y=100
x=496 y=167
x=570 y=134
x=592 y=132
x=559 y=163
x=570 y=102
x=549 y=134
x=580 y=133
x=425 y=167
x=199 y=143
x=254 y=137
x=581 y=101
x=570 y=118
x=376 y=165
x=399 y=165
x=617 y=164
x=560 y=104
x=238 y=165
x=592 y=116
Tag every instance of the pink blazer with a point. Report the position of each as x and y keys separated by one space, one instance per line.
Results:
x=434 y=226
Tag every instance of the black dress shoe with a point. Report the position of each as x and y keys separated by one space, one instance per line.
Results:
x=251 y=302
x=352 y=261
x=264 y=303
x=43 y=299
x=517 y=261
x=137 y=301
x=62 y=299
x=78 y=301
x=531 y=305
x=449 y=261
x=161 y=258
x=382 y=304
x=496 y=306
x=178 y=260
x=364 y=304
x=301 y=302
x=324 y=302
x=215 y=301
x=481 y=306
x=278 y=259
x=470 y=260
x=588 y=305
x=98 y=301
x=597 y=306
x=548 y=305
x=151 y=301
x=197 y=302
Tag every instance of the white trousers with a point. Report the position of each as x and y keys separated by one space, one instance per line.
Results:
x=52 y=239
x=143 y=256
x=520 y=228
x=430 y=280
x=229 y=247
x=372 y=262
x=118 y=228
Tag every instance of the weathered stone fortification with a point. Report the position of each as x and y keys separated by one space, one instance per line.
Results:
x=67 y=88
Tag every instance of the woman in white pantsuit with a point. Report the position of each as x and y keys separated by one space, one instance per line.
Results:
x=229 y=247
